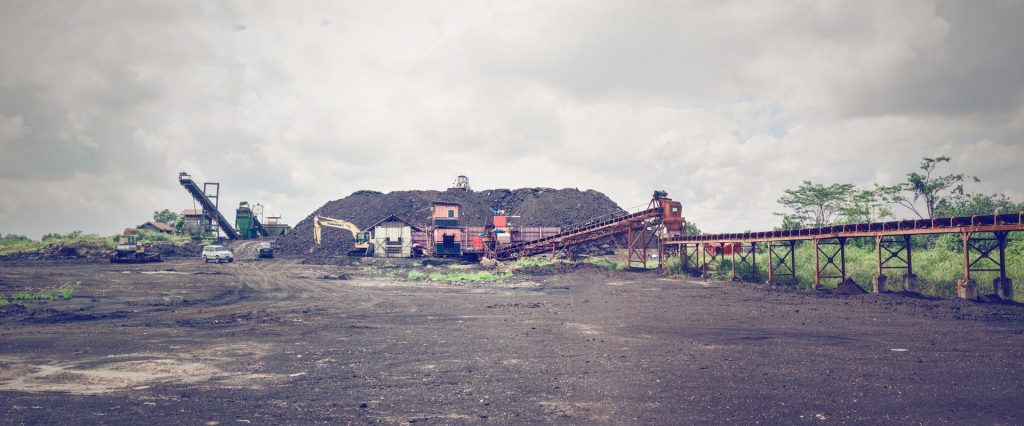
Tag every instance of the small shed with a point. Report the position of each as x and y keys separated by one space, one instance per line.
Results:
x=393 y=237
x=194 y=221
x=156 y=227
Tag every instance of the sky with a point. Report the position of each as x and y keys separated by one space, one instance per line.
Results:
x=724 y=104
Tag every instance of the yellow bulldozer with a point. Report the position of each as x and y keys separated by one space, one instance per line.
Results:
x=130 y=250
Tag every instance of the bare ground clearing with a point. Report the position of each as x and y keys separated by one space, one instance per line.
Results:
x=272 y=342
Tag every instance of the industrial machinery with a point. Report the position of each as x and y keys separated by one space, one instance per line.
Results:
x=129 y=250
x=361 y=239
x=461 y=183
x=661 y=217
x=248 y=223
x=208 y=199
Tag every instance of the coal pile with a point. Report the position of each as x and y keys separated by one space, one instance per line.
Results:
x=534 y=206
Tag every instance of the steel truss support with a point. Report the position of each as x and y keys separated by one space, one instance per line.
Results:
x=690 y=257
x=746 y=257
x=637 y=242
x=782 y=262
x=894 y=252
x=717 y=255
x=830 y=249
x=985 y=252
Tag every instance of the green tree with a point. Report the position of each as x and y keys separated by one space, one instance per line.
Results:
x=934 y=191
x=165 y=216
x=814 y=204
x=789 y=222
x=978 y=204
x=12 y=239
x=865 y=205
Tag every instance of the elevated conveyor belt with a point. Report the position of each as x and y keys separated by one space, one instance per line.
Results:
x=940 y=225
x=208 y=207
x=259 y=227
x=590 y=231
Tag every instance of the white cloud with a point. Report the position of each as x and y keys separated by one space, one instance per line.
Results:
x=723 y=104
x=12 y=128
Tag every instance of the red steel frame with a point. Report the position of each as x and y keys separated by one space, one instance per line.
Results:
x=984 y=246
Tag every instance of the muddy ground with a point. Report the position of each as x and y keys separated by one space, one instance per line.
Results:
x=273 y=342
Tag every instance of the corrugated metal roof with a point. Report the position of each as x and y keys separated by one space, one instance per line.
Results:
x=192 y=212
x=159 y=225
x=394 y=218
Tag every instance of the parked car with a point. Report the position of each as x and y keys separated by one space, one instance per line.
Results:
x=217 y=253
x=266 y=250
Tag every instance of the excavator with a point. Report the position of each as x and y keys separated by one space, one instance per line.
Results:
x=361 y=239
x=129 y=250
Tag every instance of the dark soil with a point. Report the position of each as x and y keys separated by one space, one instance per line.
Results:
x=269 y=342
x=534 y=206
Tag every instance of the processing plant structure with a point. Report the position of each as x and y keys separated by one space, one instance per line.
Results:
x=248 y=223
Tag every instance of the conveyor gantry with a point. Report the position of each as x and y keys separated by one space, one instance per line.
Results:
x=209 y=208
x=662 y=211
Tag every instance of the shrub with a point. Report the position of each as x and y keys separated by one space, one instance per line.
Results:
x=673 y=265
x=44 y=295
x=480 y=276
x=67 y=292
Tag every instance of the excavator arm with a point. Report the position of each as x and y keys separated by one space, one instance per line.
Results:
x=320 y=222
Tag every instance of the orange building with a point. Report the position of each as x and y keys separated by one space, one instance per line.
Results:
x=447 y=235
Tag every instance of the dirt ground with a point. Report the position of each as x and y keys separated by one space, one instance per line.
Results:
x=279 y=342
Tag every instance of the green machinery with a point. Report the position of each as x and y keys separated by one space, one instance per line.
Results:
x=247 y=223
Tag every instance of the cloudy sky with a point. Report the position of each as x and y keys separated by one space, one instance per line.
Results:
x=722 y=103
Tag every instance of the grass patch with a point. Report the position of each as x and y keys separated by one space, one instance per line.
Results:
x=3 y=301
x=478 y=276
x=606 y=263
x=534 y=261
x=25 y=296
x=44 y=295
x=65 y=292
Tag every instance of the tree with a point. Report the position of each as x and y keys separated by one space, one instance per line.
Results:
x=165 y=216
x=934 y=191
x=692 y=229
x=978 y=204
x=865 y=206
x=814 y=204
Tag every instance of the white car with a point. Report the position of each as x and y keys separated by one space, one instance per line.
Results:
x=217 y=253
